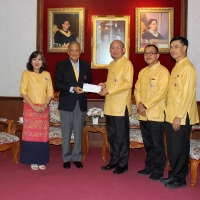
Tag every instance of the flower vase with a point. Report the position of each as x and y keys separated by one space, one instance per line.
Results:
x=95 y=120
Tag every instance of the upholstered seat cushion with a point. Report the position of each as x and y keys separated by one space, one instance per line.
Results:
x=54 y=112
x=196 y=127
x=195 y=149
x=55 y=132
x=136 y=136
x=7 y=138
x=133 y=118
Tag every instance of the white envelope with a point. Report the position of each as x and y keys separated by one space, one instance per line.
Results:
x=91 y=88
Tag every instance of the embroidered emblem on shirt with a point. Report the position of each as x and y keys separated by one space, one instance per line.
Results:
x=85 y=77
x=46 y=78
x=115 y=80
x=151 y=84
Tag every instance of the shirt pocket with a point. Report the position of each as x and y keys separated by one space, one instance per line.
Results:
x=177 y=83
x=153 y=84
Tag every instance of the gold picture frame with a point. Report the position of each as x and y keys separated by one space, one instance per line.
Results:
x=56 y=17
x=154 y=26
x=105 y=29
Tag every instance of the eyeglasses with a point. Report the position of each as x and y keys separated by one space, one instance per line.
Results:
x=115 y=48
x=149 y=54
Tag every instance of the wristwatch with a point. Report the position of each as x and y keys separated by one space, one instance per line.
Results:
x=144 y=106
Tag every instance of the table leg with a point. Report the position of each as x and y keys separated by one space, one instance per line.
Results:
x=85 y=143
x=104 y=145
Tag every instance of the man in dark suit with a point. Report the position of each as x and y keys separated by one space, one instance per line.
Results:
x=70 y=76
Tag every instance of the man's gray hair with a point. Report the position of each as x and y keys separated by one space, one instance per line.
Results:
x=74 y=42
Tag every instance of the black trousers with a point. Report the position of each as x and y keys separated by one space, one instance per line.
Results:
x=178 y=146
x=118 y=138
x=153 y=138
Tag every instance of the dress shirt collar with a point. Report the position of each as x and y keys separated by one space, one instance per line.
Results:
x=77 y=64
x=154 y=66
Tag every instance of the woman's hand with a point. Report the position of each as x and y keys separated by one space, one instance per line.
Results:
x=40 y=109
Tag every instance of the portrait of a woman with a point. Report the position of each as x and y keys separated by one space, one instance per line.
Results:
x=152 y=32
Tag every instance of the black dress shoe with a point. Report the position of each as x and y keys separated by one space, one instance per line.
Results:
x=120 y=170
x=175 y=184
x=67 y=165
x=156 y=176
x=78 y=164
x=145 y=172
x=109 y=166
x=166 y=180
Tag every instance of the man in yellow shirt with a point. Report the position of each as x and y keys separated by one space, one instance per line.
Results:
x=181 y=113
x=150 y=94
x=117 y=108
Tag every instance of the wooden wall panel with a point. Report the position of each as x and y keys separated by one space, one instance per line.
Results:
x=12 y=108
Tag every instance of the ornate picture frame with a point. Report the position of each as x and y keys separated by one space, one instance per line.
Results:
x=105 y=29
x=154 y=26
x=57 y=38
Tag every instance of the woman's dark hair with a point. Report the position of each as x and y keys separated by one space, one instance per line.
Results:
x=151 y=20
x=35 y=55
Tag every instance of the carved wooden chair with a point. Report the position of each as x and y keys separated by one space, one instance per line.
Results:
x=136 y=140
x=9 y=140
x=55 y=136
x=194 y=156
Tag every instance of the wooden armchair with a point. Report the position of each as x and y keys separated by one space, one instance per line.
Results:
x=136 y=140
x=9 y=140
x=55 y=136
x=194 y=156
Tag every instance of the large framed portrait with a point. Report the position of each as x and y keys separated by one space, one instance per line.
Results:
x=105 y=29
x=65 y=25
x=154 y=26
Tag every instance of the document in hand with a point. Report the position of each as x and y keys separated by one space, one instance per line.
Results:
x=91 y=88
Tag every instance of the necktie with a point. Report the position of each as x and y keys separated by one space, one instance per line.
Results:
x=75 y=71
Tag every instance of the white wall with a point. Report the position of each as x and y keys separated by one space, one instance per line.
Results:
x=17 y=41
x=193 y=37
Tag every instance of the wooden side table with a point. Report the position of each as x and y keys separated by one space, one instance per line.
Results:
x=101 y=127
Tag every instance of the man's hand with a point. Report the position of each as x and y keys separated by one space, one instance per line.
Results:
x=176 y=123
x=78 y=90
x=141 y=109
x=103 y=85
x=103 y=92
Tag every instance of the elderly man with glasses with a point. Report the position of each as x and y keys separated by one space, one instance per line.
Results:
x=117 y=92
x=150 y=94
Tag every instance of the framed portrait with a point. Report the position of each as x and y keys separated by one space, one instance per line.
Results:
x=65 y=25
x=105 y=29
x=154 y=26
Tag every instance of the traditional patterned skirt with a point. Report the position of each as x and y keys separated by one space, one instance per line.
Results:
x=35 y=137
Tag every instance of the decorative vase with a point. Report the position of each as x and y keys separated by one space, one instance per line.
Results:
x=95 y=120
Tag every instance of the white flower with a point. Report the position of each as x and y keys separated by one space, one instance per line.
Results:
x=95 y=112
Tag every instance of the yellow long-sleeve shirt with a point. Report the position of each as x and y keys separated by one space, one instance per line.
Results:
x=181 y=98
x=37 y=86
x=119 y=83
x=151 y=89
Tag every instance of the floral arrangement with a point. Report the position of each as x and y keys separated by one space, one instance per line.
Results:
x=95 y=112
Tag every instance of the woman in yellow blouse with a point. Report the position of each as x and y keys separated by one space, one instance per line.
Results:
x=37 y=91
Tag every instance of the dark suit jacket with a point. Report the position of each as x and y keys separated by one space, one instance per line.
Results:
x=65 y=78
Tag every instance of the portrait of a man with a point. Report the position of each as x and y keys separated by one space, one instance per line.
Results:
x=64 y=26
x=106 y=30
